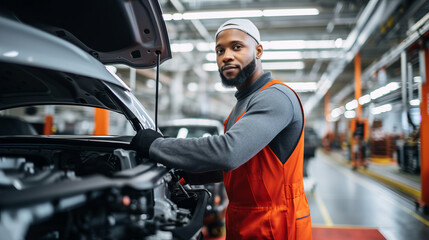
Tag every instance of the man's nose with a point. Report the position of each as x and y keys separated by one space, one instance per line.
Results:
x=228 y=55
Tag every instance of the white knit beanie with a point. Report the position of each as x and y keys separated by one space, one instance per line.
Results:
x=244 y=25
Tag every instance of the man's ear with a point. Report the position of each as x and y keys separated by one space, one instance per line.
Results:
x=259 y=51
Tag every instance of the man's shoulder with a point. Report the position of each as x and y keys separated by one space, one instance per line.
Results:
x=279 y=87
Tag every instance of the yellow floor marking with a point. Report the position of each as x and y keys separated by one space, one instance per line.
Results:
x=323 y=210
x=369 y=187
x=415 y=193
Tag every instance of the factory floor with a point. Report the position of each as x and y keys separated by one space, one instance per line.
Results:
x=347 y=204
x=373 y=204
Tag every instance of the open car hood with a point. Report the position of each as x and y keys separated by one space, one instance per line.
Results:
x=130 y=32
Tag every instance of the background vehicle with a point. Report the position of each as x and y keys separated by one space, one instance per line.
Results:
x=214 y=218
x=71 y=184
x=311 y=142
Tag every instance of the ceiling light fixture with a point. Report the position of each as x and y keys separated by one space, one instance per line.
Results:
x=384 y=90
x=353 y=104
x=302 y=86
x=182 y=47
x=205 y=46
x=381 y=109
x=350 y=114
x=283 y=65
x=210 y=67
x=415 y=102
x=300 y=44
x=364 y=99
x=222 y=14
x=288 y=55
x=288 y=45
x=335 y=113
x=241 y=14
x=295 y=65
x=290 y=12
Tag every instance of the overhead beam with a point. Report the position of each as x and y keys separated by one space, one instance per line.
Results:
x=373 y=15
x=196 y=23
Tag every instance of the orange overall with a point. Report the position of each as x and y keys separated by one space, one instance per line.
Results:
x=266 y=197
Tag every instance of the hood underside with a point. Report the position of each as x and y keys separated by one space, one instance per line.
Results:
x=23 y=85
x=114 y=31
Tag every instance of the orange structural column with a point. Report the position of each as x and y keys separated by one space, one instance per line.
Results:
x=326 y=142
x=101 y=122
x=327 y=112
x=358 y=88
x=424 y=136
x=47 y=128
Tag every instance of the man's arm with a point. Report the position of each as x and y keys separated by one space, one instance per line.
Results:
x=268 y=113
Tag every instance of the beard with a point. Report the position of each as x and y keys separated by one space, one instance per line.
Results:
x=241 y=78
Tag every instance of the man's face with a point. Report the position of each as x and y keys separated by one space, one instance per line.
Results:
x=236 y=55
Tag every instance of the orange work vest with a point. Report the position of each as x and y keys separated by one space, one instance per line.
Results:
x=266 y=197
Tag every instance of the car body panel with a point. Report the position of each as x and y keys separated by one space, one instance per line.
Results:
x=17 y=43
x=114 y=31
x=25 y=86
x=83 y=186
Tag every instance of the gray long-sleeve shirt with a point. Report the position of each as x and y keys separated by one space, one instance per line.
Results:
x=272 y=117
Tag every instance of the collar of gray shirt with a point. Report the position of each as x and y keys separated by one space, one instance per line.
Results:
x=256 y=85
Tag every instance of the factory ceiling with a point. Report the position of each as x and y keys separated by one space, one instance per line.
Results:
x=315 y=49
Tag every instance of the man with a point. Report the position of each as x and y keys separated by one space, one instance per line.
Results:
x=261 y=153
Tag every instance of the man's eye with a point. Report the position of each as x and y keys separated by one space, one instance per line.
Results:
x=237 y=47
x=219 y=51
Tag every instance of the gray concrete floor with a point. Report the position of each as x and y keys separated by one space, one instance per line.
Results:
x=343 y=197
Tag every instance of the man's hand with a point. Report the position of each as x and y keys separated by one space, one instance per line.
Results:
x=142 y=141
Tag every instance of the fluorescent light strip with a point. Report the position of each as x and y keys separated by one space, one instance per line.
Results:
x=384 y=90
x=290 y=12
x=300 y=44
x=303 y=86
x=291 y=45
x=182 y=47
x=364 y=99
x=222 y=14
x=337 y=112
x=283 y=55
x=415 y=102
x=288 y=55
x=212 y=67
x=283 y=65
x=381 y=109
x=350 y=114
x=373 y=95
x=297 y=86
x=241 y=14
x=353 y=104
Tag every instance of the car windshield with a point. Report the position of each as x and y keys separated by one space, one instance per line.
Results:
x=62 y=120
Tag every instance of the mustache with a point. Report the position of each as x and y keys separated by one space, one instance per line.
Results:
x=228 y=65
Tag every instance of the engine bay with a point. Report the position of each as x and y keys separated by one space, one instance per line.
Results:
x=80 y=189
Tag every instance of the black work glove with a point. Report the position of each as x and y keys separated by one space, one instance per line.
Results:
x=143 y=139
